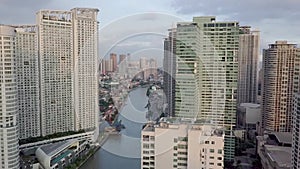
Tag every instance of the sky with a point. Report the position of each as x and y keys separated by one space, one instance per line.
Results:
x=136 y=26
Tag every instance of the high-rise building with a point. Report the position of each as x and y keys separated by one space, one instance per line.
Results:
x=296 y=131
x=9 y=143
x=113 y=57
x=207 y=73
x=169 y=67
x=26 y=55
x=248 y=61
x=143 y=63
x=277 y=98
x=296 y=114
x=175 y=143
x=188 y=66
x=108 y=65
x=122 y=66
x=56 y=64
x=153 y=67
x=85 y=26
x=122 y=58
x=67 y=46
x=219 y=45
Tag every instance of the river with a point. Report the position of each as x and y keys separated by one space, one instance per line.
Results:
x=123 y=151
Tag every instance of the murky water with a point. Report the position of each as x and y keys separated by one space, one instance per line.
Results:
x=123 y=151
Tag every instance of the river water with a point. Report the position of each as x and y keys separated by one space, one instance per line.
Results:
x=123 y=151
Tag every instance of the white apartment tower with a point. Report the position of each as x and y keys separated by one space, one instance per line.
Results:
x=85 y=67
x=181 y=144
x=68 y=49
x=9 y=143
x=56 y=69
x=28 y=81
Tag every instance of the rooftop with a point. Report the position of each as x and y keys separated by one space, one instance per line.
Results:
x=250 y=105
x=51 y=149
x=283 y=137
x=279 y=155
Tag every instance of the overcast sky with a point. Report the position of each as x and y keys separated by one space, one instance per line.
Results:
x=131 y=26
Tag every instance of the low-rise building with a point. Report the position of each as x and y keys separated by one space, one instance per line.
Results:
x=274 y=150
x=249 y=114
x=60 y=154
x=181 y=143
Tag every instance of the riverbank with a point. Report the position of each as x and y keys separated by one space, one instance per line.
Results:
x=117 y=150
x=100 y=142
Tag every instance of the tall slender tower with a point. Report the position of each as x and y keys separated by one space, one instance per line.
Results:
x=296 y=114
x=68 y=51
x=277 y=98
x=187 y=95
x=28 y=81
x=85 y=26
x=219 y=56
x=296 y=131
x=248 y=60
x=9 y=143
x=207 y=73
x=169 y=65
x=123 y=64
x=56 y=69
x=113 y=58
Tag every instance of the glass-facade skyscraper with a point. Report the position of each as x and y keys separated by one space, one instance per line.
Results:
x=207 y=73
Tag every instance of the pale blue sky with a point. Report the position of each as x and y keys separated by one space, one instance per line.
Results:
x=122 y=20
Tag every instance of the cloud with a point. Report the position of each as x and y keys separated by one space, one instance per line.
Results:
x=135 y=32
x=20 y=12
x=254 y=10
x=276 y=19
x=24 y=11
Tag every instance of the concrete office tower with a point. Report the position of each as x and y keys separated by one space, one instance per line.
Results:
x=169 y=67
x=187 y=89
x=248 y=64
x=175 y=143
x=219 y=56
x=277 y=98
x=113 y=58
x=68 y=69
x=9 y=143
x=26 y=54
x=86 y=74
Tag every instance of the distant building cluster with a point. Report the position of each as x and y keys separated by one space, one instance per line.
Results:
x=143 y=68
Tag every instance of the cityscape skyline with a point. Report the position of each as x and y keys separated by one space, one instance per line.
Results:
x=224 y=97
x=269 y=22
